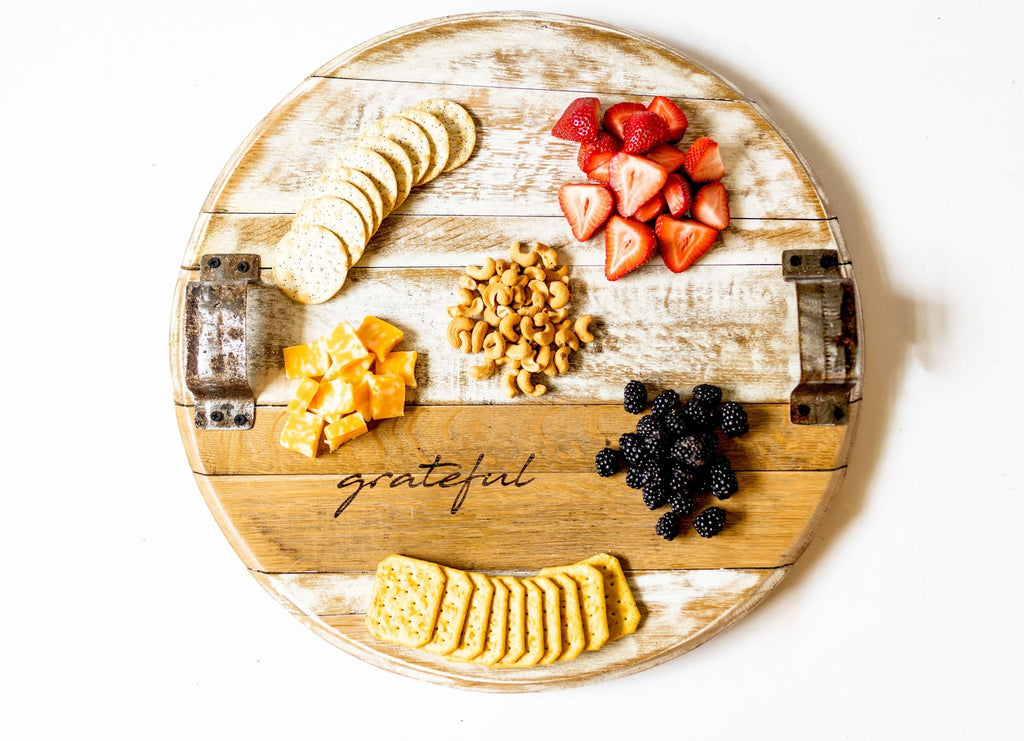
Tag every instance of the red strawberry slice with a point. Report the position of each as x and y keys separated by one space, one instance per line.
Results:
x=628 y=244
x=674 y=117
x=615 y=117
x=600 y=169
x=635 y=180
x=643 y=131
x=651 y=209
x=580 y=121
x=711 y=205
x=682 y=241
x=604 y=143
x=586 y=207
x=703 y=161
x=667 y=156
x=678 y=195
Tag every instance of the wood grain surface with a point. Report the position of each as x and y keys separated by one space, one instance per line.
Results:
x=521 y=493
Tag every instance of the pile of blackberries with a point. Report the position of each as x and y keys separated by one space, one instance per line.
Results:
x=673 y=458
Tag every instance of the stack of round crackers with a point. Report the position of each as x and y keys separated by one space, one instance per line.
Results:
x=502 y=621
x=364 y=183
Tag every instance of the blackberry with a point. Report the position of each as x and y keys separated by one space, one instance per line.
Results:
x=634 y=397
x=630 y=445
x=637 y=476
x=654 y=494
x=681 y=482
x=681 y=504
x=700 y=414
x=710 y=522
x=607 y=462
x=707 y=393
x=668 y=525
x=723 y=482
x=648 y=426
x=694 y=451
x=732 y=419
x=665 y=402
x=676 y=423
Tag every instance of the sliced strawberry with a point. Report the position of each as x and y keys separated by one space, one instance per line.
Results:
x=678 y=195
x=586 y=207
x=600 y=169
x=643 y=131
x=651 y=209
x=703 y=161
x=580 y=121
x=635 y=180
x=674 y=117
x=604 y=143
x=615 y=117
x=667 y=156
x=682 y=241
x=711 y=205
x=628 y=244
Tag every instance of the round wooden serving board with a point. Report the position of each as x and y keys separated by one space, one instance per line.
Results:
x=733 y=319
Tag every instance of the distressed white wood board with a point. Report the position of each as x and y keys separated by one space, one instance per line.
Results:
x=731 y=320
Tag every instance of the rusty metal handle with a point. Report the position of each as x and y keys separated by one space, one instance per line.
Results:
x=216 y=366
x=829 y=345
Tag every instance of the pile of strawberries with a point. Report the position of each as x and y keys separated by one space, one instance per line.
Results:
x=646 y=193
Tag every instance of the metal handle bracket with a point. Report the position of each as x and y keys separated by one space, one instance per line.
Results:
x=216 y=367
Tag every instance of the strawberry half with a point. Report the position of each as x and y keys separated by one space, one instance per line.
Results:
x=678 y=195
x=667 y=156
x=628 y=244
x=615 y=117
x=604 y=143
x=703 y=162
x=673 y=115
x=651 y=209
x=643 y=131
x=682 y=241
x=600 y=169
x=580 y=121
x=586 y=207
x=711 y=205
x=635 y=180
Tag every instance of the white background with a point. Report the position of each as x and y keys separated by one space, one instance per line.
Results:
x=127 y=615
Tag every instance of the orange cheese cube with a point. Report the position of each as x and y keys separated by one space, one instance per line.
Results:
x=344 y=345
x=333 y=399
x=303 y=395
x=301 y=432
x=378 y=336
x=346 y=428
x=362 y=397
x=400 y=363
x=351 y=372
x=301 y=361
x=387 y=395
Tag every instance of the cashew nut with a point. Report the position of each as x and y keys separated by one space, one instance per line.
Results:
x=481 y=272
x=548 y=255
x=509 y=277
x=480 y=372
x=562 y=358
x=526 y=328
x=495 y=294
x=566 y=337
x=546 y=335
x=559 y=295
x=521 y=257
x=539 y=292
x=471 y=309
x=508 y=327
x=479 y=332
x=491 y=317
x=582 y=328
x=494 y=345
x=457 y=325
x=525 y=383
x=520 y=350
x=543 y=357
x=558 y=316
x=535 y=272
x=467 y=282
x=465 y=341
x=559 y=274
x=508 y=383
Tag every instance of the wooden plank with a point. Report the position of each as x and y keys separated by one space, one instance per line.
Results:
x=736 y=326
x=513 y=520
x=516 y=170
x=680 y=610
x=459 y=50
x=567 y=436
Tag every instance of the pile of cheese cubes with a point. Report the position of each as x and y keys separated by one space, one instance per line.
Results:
x=346 y=378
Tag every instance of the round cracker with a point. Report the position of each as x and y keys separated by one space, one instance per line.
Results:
x=438 y=137
x=396 y=157
x=375 y=167
x=362 y=182
x=310 y=264
x=344 y=189
x=340 y=217
x=410 y=137
x=459 y=125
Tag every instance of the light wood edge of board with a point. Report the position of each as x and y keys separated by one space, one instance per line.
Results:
x=664 y=598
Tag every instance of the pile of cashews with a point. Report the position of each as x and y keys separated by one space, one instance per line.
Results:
x=515 y=312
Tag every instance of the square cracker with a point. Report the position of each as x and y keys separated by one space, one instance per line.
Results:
x=623 y=614
x=534 y=622
x=573 y=638
x=497 y=626
x=552 y=619
x=515 y=641
x=474 y=630
x=406 y=599
x=458 y=590
x=591 y=584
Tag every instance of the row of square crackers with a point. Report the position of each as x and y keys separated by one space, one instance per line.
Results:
x=502 y=621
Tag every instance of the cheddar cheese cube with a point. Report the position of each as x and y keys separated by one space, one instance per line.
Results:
x=303 y=395
x=387 y=395
x=301 y=361
x=362 y=397
x=348 y=427
x=401 y=363
x=351 y=372
x=378 y=336
x=301 y=432
x=344 y=345
x=332 y=399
